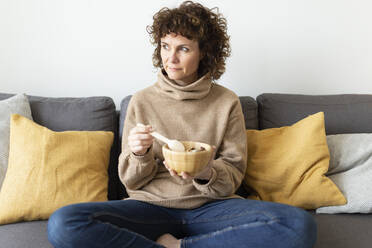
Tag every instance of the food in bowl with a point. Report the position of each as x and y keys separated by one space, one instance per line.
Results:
x=194 y=149
x=195 y=157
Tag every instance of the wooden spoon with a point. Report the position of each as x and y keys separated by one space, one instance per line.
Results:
x=174 y=145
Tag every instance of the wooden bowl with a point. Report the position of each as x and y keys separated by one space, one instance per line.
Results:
x=189 y=162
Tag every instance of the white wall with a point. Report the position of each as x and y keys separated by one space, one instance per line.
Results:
x=100 y=47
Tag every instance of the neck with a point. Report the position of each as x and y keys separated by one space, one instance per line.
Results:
x=197 y=89
x=186 y=81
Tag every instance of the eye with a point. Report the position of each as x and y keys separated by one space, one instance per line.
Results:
x=164 y=46
x=184 y=49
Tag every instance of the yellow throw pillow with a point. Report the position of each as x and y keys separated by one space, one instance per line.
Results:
x=48 y=170
x=287 y=165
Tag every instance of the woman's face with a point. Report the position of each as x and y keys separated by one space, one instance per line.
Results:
x=180 y=57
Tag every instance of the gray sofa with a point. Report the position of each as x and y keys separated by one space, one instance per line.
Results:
x=343 y=114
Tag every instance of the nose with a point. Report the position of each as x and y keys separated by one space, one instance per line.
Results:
x=173 y=58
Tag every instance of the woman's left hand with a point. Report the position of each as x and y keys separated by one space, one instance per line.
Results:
x=205 y=174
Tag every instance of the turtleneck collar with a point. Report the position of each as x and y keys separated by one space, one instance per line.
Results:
x=196 y=90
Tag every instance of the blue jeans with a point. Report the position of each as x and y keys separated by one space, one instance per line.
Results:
x=223 y=223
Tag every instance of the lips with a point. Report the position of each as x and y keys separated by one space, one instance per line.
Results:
x=173 y=69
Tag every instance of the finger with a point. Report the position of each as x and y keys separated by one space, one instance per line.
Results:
x=214 y=152
x=141 y=147
x=214 y=148
x=168 y=168
x=185 y=175
x=173 y=173
x=165 y=164
x=137 y=130
x=144 y=128
x=145 y=143
x=140 y=136
x=138 y=149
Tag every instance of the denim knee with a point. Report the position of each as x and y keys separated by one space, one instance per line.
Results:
x=304 y=225
x=60 y=226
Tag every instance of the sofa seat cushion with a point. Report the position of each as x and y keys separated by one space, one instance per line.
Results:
x=25 y=235
x=344 y=230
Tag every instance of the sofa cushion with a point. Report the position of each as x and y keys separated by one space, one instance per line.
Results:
x=350 y=169
x=343 y=230
x=15 y=105
x=288 y=165
x=25 y=235
x=349 y=113
x=48 y=170
x=80 y=113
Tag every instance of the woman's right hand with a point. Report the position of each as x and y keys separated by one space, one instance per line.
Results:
x=140 y=140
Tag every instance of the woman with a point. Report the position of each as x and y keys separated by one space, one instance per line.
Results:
x=165 y=209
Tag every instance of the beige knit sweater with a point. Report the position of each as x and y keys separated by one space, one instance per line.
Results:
x=202 y=111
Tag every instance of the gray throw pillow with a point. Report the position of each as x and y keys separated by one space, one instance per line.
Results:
x=350 y=169
x=17 y=104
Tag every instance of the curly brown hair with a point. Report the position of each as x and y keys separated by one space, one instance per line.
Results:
x=195 y=22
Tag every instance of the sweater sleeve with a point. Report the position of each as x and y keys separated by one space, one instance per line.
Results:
x=229 y=165
x=134 y=171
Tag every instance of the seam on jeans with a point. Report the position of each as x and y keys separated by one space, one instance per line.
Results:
x=228 y=217
x=149 y=222
x=187 y=240
x=126 y=229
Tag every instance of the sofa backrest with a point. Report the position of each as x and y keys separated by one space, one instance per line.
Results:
x=351 y=113
x=347 y=113
x=85 y=113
